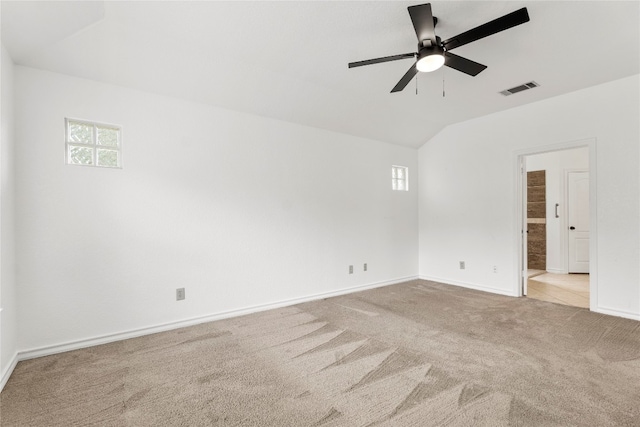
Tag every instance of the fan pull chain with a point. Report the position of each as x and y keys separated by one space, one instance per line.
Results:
x=443 y=82
x=416 y=85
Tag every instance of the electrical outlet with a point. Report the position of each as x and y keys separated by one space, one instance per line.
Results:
x=495 y=268
x=351 y=269
x=180 y=294
x=461 y=265
x=365 y=266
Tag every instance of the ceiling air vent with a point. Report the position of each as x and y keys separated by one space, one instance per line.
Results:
x=525 y=86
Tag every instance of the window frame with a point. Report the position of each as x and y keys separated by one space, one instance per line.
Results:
x=94 y=146
x=395 y=180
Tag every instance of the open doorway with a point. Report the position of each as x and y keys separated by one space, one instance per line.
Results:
x=556 y=224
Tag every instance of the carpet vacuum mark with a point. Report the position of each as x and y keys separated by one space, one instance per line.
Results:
x=413 y=354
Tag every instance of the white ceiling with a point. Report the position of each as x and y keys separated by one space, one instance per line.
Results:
x=288 y=60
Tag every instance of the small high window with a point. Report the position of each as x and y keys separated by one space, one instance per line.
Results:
x=93 y=144
x=400 y=178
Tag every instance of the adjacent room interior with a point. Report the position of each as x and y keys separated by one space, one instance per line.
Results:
x=557 y=226
x=225 y=213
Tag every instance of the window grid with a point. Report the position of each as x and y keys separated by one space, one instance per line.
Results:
x=93 y=144
x=400 y=178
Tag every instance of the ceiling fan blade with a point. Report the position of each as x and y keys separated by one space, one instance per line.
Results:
x=465 y=65
x=505 y=22
x=383 y=59
x=422 y=19
x=404 y=81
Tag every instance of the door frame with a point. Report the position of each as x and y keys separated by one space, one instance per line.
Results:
x=520 y=222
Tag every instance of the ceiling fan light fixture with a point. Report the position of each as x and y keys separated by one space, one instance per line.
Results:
x=433 y=53
x=430 y=60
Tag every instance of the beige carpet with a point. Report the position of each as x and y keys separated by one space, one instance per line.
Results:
x=414 y=354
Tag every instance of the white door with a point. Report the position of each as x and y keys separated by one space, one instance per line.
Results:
x=578 y=221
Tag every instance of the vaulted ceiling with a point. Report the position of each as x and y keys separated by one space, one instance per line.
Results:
x=288 y=60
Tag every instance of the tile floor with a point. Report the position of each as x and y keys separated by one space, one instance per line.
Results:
x=567 y=289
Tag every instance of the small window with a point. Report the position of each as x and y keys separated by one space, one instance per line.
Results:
x=93 y=144
x=400 y=178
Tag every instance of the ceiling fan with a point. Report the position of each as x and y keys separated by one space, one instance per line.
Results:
x=433 y=53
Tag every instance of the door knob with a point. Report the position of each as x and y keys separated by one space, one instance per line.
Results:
x=572 y=228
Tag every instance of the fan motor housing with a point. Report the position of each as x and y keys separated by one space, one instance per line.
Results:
x=426 y=48
x=427 y=44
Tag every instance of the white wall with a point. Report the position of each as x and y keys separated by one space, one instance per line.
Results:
x=556 y=164
x=8 y=291
x=240 y=210
x=468 y=195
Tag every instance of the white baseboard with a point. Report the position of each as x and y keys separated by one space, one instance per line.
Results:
x=618 y=313
x=7 y=372
x=470 y=286
x=556 y=271
x=104 y=339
